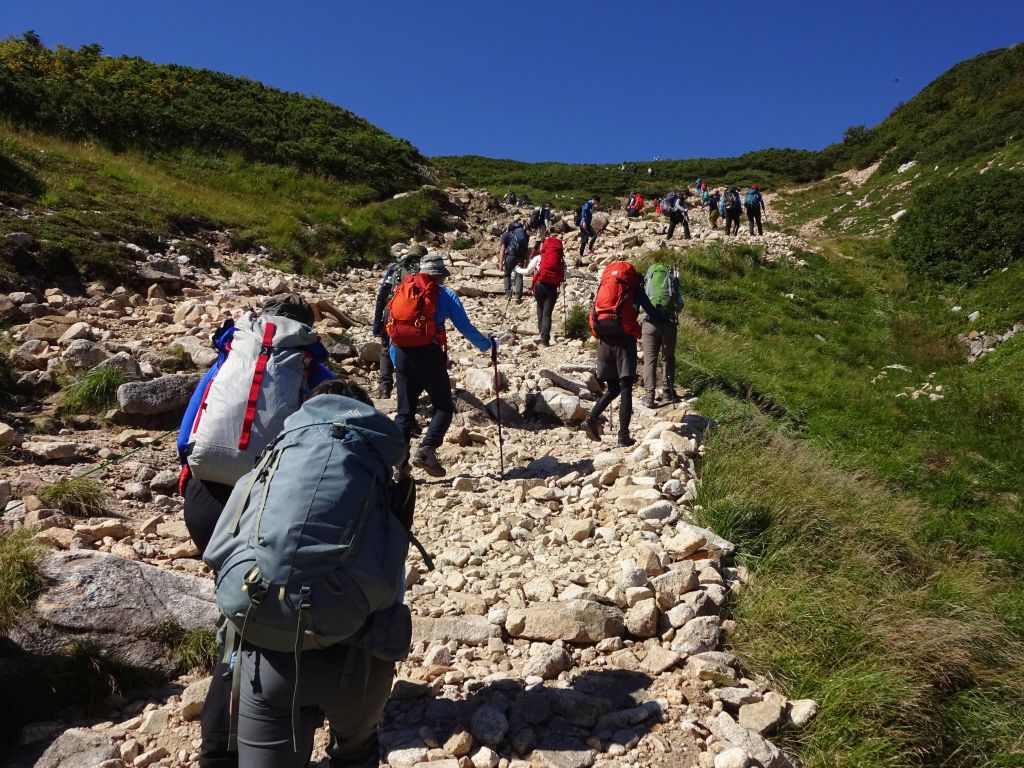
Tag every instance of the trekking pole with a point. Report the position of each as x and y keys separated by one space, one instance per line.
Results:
x=497 y=405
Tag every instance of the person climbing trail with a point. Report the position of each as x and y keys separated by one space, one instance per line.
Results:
x=513 y=248
x=673 y=205
x=753 y=202
x=661 y=284
x=548 y=270
x=585 y=221
x=407 y=265
x=730 y=208
x=416 y=325
x=614 y=322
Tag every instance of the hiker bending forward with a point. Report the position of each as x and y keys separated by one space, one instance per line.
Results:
x=614 y=320
x=416 y=325
x=315 y=623
x=548 y=270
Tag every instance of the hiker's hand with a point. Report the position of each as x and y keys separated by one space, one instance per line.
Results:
x=378 y=329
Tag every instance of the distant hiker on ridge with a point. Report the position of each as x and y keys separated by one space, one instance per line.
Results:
x=730 y=208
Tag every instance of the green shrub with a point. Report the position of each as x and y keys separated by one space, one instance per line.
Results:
x=576 y=325
x=92 y=392
x=196 y=648
x=461 y=243
x=20 y=579
x=959 y=232
x=80 y=496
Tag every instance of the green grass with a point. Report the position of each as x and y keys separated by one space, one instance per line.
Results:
x=20 y=579
x=196 y=648
x=884 y=532
x=79 y=496
x=92 y=392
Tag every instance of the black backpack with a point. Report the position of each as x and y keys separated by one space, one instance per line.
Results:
x=577 y=217
x=536 y=218
x=732 y=201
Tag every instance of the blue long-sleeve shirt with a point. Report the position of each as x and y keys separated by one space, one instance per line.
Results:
x=450 y=308
x=587 y=212
x=318 y=373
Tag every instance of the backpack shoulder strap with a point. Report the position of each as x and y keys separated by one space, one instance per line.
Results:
x=254 y=388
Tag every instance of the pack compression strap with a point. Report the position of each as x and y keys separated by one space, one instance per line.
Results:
x=254 y=389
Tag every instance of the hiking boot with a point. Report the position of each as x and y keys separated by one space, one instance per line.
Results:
x=425 y=458
x=402 y=471
x=625 y=441
x=648 y=401
x=670 y=396
x=383 y=391
x=590 y=252
x=592 y=429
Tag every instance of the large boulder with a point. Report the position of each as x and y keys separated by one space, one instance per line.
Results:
x=561 y=405
x=161 y=395
x=48 y=329
x=82 y=353
x=575 y=621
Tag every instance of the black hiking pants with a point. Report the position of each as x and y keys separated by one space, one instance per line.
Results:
x=204 y=501
x=387 y=368
x=732 y=223
x=678 y=217
x=587 y=237
x=513 y=278
x=754 y=214
x=546 y=295
x=659 y=339
x=623 y=389
x=419 y=370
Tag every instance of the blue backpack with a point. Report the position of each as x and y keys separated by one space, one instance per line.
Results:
x=750 y=199
x=518 y=243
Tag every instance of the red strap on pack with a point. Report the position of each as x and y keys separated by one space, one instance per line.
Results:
x=183 y=478
x=202 y=404
x=254 y=389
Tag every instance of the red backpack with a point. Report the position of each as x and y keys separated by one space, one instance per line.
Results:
x=412 y=311
x=614 y=311
x=552 y=263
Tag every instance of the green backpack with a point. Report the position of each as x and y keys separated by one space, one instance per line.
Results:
x=660 y=284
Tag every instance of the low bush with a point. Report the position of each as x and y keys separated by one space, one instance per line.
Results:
x=461 y=243
x=80 y=496
x=958 y=233
x=576 y=325
x=196 y=648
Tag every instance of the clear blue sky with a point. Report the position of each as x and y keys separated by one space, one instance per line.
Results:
x=577 y=82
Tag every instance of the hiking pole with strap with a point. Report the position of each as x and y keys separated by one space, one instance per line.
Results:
x=497 y=405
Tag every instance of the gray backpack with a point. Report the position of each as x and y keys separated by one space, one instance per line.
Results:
x=309 y=545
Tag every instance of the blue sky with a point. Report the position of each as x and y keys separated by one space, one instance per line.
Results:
x=601 y=82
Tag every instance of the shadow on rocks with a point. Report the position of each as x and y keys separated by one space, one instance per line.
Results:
x=561 y=727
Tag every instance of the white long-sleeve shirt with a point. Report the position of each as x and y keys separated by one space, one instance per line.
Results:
x=530 y=268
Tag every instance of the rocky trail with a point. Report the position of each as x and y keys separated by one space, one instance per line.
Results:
x=577 y=616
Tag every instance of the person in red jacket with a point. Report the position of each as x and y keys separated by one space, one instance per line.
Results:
x=548 y=270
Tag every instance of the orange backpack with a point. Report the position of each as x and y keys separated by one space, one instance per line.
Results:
x=614 y=312
x=412 y=311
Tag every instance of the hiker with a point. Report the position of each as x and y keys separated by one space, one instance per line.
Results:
x=540 y=219
x=218 y=412
x=407 y=265
x=416 y=325
x=754 y=204
x=524 y=199
x=220 y=437
x=673 y=205
x=585 y=218
x=509 y=198
x=661 y=283
x=635 y=205
x=514 y=246
x=712 y=201
x=614 y=322
x=314 y=624
x=548 y=270
x=730 y=208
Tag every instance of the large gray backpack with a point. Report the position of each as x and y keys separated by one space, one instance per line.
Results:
x=309 y=545
x=256 y=388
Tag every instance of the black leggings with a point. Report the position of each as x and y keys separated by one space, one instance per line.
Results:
x=587 y=234
x=546 y=295
x=678 y=217
x=623 y=389
x=204 y=501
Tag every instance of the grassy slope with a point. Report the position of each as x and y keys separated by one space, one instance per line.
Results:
x=885 y=533
x=308 y=221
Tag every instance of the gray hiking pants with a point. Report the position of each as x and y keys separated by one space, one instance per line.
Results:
x=659 y=339
x=352 y=703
